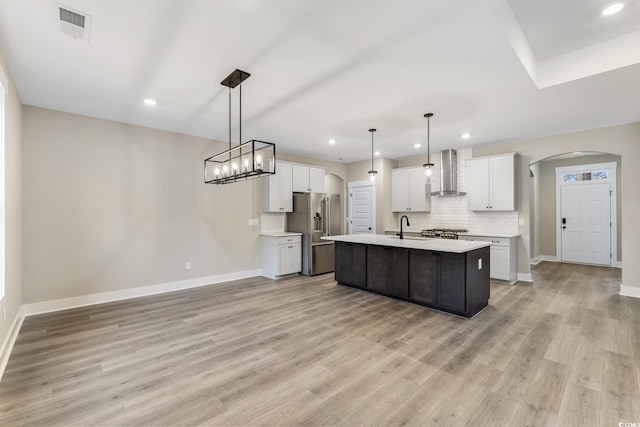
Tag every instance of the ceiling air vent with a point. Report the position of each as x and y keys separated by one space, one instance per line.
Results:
x=71 y=17
x=72 y=22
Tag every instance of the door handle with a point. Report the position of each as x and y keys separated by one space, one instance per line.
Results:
x=369 y=228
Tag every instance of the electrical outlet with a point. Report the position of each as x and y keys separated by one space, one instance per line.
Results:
x=188 y=265
x=253 y=221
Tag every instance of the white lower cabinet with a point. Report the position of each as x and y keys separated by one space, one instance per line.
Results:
x=503 y=256
x=281 y=254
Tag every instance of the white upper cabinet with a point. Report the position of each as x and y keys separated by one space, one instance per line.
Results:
x=308 y=179
x=277 y=190
x=492 y=183
x=316 y=180
x=409 y=191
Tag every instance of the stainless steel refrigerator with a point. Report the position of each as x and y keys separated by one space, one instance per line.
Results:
x=316 y=215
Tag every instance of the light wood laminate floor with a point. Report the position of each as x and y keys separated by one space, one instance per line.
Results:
x=562 y=351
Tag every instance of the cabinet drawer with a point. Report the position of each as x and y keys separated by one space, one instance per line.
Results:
x=289 y=239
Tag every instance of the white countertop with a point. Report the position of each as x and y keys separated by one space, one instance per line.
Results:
x=438 y=245
x=466 y=233
x=503 y=235
x=279 y=233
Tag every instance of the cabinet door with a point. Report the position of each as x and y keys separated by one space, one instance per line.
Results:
x=399 y=190
x=351 y=264
x=424 y=276
x=499 y=268
x=502 y=188
x=271 y=194
x=378 y=258
x=286 y=191
x=295 y=257
x=284 y=259
x=398 y=280
x=359 y=265
x=343 y=270
x=418 y=201
x=316 y=180
x=278 y=195
x=452 y=283
x=478 y=194
x=301 y=178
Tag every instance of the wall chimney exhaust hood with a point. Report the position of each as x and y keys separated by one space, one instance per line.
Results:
x=448 y=174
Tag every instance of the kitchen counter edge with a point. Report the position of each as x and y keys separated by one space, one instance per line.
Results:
x=436 y=245
x=279 y=233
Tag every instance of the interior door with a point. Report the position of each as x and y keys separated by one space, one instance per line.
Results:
x=362 y=210
x=586 y=223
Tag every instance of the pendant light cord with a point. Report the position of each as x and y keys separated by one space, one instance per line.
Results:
x=371 y=150
x=229 y=123
x=429 y=140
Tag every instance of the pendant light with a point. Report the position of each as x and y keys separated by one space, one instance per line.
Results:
x=428 y=167
x=372 y=173
x=246 y=160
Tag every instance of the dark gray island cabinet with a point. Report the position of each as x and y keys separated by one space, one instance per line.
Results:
x=451 y=276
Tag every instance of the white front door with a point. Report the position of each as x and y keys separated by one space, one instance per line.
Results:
x=361 y=209
x=586 y=223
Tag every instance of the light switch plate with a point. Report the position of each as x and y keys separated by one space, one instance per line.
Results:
x=253 y=221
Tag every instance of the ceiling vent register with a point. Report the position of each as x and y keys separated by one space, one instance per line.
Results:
x=72 y=17
x=71 y=22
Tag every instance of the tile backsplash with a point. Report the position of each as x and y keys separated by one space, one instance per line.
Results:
x=451 y=212
x=273 y=221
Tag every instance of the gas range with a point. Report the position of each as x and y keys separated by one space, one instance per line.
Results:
x=443 y=233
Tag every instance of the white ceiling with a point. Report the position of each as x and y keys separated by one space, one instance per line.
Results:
x=326 y=69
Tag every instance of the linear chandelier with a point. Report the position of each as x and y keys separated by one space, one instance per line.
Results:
x=251 y=159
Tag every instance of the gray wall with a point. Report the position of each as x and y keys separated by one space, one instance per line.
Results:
x=13 y=206
x=547 y=199
x=111 y=206
x=622 y=140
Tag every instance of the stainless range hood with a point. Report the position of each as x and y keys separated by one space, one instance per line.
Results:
x=448 y=174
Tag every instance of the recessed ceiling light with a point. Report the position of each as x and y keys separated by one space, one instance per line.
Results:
x=377 y=153
x=466 y=135
x=150 y=101
x=417 y=145
x=614 y=8
x=332 y=141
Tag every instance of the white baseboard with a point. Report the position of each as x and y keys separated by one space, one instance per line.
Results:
x=10 y=340
x=525 y=277
x=81 y=301
x=553 y=258
x=535 y=261
x=630 y=291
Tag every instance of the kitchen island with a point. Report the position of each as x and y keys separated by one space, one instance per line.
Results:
x=448 y=275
